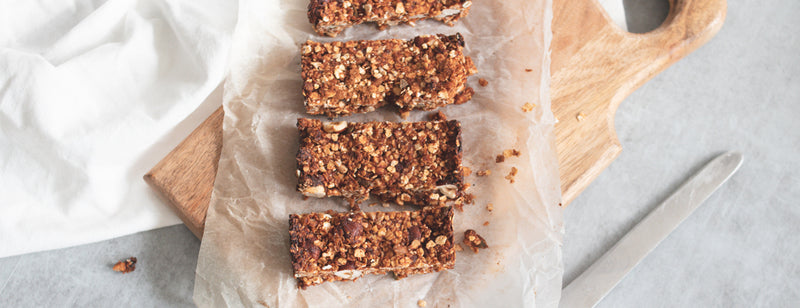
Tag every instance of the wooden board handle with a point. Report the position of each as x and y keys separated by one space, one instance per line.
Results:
x=598 y=65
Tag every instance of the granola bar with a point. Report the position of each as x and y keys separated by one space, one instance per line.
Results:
x=346 y=246
x=426 y=72
x=331 y=17
x=408 y=163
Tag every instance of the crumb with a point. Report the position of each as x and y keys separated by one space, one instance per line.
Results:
x=484 y=172
x=528 y=107
x=467 y=186
x=305 y=198
x=510 y=176
x=422 y=303
x=486 y=223
x=469 y=198
x=489 y=207
x=474 y=241
x=528 y=70
x=458 y=247
x=437 y=116
x=125 y=266
x=466 y=171
x=483 y=82
x=404 y=114
x=354 y=205
x=373 y=204
x=580 y=116
x=500 y=159
x=385 y=205
x=511 y=152
x=559 y=204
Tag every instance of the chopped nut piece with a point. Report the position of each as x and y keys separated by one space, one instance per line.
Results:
x=332 y=17
x=422 y=303
x=342 y=78
x=474 y=241
x=458 y=247
x=528 y=107
x=451 y=191
x=314 y=191
x=334 y=127
x=466 y=171
x=500 y=159
x=415 y=161
x=125 y=266
x=360 y=243
x=483 y=82
x=484 y=172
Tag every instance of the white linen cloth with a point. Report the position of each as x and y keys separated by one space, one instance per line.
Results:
x=88 y=89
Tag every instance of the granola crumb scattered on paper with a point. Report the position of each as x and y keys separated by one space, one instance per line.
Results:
x=422 y=303
x=500 y=159
x=404 y=114
x=483 y=82
x=484 y=172
x=466 y=171
x=305 y=198
x=373 y=204
x=489 y=207
x=474 y=241
x=528 y=107
x=511 y=152
x=581 y=116
x=458 y=247
x=437 y=116
x=126 y=266
x=528 y=70
x=511 y=174
x=486 y=223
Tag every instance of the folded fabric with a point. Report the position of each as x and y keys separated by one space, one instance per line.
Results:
x=88 y=90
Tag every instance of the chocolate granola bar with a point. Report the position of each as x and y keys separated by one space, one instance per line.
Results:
x=346 y=246
x=408 y=163
x=331 y=17
x=426 y=72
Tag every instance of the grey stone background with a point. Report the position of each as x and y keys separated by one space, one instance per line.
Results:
x=740 y=91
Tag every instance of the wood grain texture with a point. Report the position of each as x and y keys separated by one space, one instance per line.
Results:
x=185 y=177
x=595 y=65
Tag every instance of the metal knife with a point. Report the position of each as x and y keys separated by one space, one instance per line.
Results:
x=602 y=276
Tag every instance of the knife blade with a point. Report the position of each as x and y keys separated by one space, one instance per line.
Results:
x=604 y=274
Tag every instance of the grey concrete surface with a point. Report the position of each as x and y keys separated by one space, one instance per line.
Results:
x=741 y=91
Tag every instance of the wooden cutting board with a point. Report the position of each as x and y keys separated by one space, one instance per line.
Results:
x=595 y=65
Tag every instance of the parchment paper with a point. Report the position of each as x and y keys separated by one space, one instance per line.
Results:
x=244 y=258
